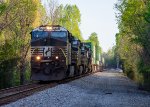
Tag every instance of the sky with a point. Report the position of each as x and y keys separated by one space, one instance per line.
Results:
x=97 y=16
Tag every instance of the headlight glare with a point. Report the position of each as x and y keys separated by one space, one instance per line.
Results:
x=38 y=58
x=56 y=57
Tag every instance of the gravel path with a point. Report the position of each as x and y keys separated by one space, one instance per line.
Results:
x=104 y=89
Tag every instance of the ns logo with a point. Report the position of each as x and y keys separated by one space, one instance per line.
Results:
x=47 y=51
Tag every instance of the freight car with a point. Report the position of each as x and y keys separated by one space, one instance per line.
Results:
x=56 y=54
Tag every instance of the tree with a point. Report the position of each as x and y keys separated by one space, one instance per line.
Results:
x=70 y=18
x=133 y=38
x=52 y=12
x=111 y=58
x=67 y=16
x=5 y=9
x=17 y=20
x=95 y=46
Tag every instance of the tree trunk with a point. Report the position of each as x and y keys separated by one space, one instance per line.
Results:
x=22 y=71
x=22 y=67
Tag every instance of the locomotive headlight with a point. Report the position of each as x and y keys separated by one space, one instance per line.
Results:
x=56 y=57
x=38 y=58
x=49 y=28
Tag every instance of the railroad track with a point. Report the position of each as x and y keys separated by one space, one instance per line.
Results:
x=18 y=94
x=13 y=94
x=20 y=87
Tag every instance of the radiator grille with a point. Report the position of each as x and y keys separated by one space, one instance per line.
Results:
x=37 y=51
x=60 y=51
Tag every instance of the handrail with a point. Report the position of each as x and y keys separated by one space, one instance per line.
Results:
x=63 y=52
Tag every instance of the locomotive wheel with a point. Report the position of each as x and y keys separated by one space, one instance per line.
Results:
x=72 y=70
x=86 y=69
x=91 y=68
x=68 y=71
x=76 y=70
x=81 y=70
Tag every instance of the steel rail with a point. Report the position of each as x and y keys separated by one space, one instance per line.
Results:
x=18 y=94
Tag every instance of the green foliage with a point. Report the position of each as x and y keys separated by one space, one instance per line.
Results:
x=67 y=16
x=110 y=58
x=143 y=68
x=132 y=41
x=147 y=13
x=17 y=19
x=8 y=62
x=70 y=18
x=2 y=7
x=95 y=47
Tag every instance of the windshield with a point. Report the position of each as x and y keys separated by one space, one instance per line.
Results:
x=47 y=38
x=82 y=48
x=39 y=35
x=58 y=34
x=74 y=42
x=58 y=38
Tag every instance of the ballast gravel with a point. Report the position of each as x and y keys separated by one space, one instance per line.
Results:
x=103 y=89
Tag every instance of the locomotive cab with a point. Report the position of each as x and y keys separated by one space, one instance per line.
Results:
x=49 y=52
x=75 y=44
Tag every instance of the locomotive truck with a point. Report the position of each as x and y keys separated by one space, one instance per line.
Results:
x=56 y=54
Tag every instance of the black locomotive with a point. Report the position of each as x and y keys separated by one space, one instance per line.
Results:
x=56 y=54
